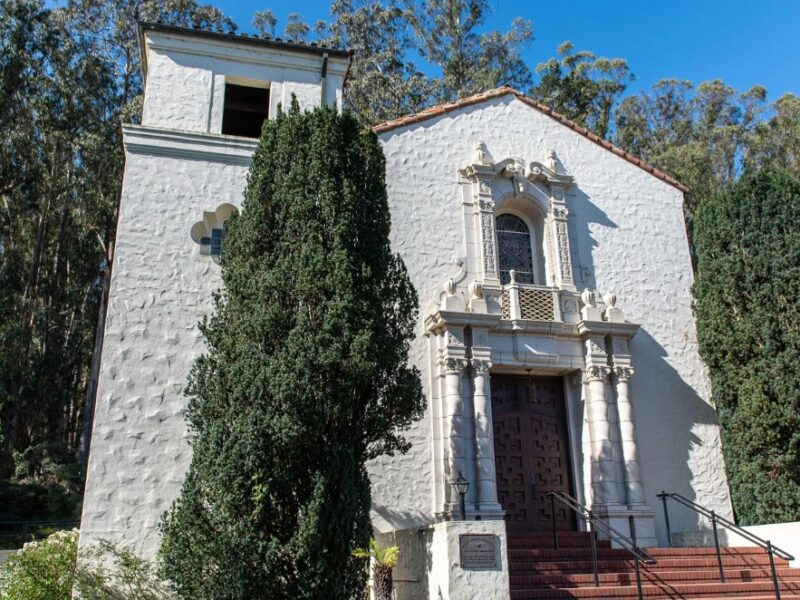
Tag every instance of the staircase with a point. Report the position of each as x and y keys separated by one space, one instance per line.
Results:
x=538 y=571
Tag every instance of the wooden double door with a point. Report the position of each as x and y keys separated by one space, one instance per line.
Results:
x=531 y=448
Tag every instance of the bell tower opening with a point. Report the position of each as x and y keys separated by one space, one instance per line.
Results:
x=245 y=110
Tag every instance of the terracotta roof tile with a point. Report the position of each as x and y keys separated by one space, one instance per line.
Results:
x=441 y=109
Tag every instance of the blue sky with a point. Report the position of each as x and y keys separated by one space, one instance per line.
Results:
x=742 y=42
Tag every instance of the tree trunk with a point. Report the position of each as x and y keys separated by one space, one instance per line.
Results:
x=91 y=388
x=383 y=582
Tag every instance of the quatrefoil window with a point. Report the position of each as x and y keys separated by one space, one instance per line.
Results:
x=209 y=233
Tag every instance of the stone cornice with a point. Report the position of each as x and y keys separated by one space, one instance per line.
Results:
x=602 y=328
x=444 y=318
x=212 y=147
x=240 y=48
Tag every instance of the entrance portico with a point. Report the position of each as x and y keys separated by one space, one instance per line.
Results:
x=530 y=390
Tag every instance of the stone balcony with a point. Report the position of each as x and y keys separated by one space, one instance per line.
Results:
x=522 y=301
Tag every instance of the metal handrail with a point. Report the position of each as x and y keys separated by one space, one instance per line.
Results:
x=766 y=545
x=596 y=523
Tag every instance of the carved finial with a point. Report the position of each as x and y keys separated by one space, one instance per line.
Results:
x=587 y=297
x=482 y=156
x=552 y=161
x=476 y=289
x=450 y=287
x=513 y=275
x=613 y=313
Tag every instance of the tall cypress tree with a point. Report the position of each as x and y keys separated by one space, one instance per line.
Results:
x=306 y=375
x=747 y=300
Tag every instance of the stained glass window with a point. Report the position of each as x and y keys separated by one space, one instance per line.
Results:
x=217 y=233
x=514 y=248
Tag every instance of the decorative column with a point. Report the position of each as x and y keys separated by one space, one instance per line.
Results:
x=602 y=452
x=453 y=421
x=630 y=452
x=486 y=233
x=486 y=478
x=559 y=232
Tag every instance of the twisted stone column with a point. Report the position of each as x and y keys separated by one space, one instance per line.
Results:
x=486 y=479
x=602 y=452
x=630 y=452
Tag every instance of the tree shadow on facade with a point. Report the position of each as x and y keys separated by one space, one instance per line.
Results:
x=675 y=427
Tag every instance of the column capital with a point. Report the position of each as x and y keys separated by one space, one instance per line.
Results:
x=481 y=366
x=596 y=373
x=454 y=366
x=623 y=373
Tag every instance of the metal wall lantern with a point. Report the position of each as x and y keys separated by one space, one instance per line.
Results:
x=461 y=485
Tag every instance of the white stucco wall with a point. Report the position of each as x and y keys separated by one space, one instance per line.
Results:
x=160 y=288
x=627 y=236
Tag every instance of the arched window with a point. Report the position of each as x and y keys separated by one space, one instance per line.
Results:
x=514 y=248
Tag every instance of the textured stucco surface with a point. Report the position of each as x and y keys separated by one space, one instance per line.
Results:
x=160 y=288
x=627 y=236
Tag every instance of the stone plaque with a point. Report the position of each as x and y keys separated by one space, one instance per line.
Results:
x=478 y=550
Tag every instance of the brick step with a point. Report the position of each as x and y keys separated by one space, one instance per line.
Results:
x=664 y=564
x=616 y=553
x=677 y=591
x=566 y=553
x=704 y=551
x=629 y=578
x=547 y=542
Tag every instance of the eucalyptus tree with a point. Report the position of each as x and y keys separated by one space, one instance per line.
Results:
x=583 y=87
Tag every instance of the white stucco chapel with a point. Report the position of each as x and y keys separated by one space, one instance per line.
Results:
x=556 y=338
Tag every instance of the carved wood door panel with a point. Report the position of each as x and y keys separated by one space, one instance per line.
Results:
x=531 y=450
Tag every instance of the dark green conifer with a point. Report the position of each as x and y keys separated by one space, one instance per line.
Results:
x=747 y=303
x=306 y=376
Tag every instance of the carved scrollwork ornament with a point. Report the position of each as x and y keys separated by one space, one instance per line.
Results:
x=623 y=374
x=481 y=367
x=596 y=373
x=454 y=365
x=560 y=213
x=476 y=289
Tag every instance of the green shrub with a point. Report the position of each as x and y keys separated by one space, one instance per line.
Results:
x=50 y=570
x=43 y=570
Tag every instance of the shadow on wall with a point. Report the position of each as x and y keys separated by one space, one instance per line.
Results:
x=668 y=411
x=665 y=428
x=586 y=213
x=414 y=560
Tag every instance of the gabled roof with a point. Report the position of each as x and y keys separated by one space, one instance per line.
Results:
x=442 y=109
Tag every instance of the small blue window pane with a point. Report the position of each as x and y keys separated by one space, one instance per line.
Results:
x=217 y=233
x=205 y=241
